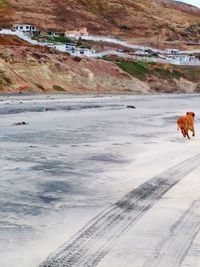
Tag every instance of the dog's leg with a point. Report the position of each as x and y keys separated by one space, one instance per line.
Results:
x=187 y=134
x=193 y=132
x=183 y=132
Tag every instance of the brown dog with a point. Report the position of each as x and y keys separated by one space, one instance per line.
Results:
x=186 y=123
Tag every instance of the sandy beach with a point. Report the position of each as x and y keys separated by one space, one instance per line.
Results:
x=90 y=181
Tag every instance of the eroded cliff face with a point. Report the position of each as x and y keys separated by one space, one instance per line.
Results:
x=36 y=69
x=169 y=86
x=27 y=68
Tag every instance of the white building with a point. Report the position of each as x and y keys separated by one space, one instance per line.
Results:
x=70 y=47
x=73 y=50
x=141 y=53
x=82 y=52
x=172 y=51
x=182 y=59
x=24 y=27
x=77 y=33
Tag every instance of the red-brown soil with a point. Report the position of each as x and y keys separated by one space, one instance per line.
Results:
x=155 y=21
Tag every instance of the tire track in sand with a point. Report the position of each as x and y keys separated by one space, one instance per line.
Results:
x=94 y=241
x=173 y=250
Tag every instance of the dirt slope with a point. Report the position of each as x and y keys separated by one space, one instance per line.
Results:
x=26 y=68
x=141 y=19
x=31 y=68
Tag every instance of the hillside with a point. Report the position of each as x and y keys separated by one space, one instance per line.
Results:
x=144 y=21
x=26 y=68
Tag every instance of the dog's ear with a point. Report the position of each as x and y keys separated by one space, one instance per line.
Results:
x=191 y=114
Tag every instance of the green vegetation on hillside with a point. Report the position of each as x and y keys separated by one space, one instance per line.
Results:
x=53 y=39
x=142 y=70
x=62 y=39
x=137 y=69
x=3 y=3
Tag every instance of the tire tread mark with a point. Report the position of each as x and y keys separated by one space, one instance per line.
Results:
x=94 y=241
x=173 y=250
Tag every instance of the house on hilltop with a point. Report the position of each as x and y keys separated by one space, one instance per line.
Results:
x=182 y=59
x=73 y=50
x=172 y=51
x=70 y=48
x=77 y=33
x=24 y=27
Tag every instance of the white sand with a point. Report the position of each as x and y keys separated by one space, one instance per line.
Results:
x=81 y=156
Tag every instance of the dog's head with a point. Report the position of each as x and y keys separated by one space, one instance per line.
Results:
x=191 y=114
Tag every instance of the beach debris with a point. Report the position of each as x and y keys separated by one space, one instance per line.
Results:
x=130 y=106
x=21 y=123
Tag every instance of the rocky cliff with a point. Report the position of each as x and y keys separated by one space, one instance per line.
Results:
x=26 y=68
